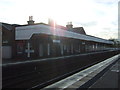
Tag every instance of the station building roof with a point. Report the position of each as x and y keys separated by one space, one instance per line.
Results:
x=7 y=26
x=79 y=30
x=25 y=32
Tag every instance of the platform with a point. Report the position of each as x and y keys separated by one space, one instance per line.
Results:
x=111 y=79
x=89 y=76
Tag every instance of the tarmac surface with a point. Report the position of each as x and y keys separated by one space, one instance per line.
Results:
x=111 y=79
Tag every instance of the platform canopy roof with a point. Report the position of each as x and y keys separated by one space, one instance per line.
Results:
x=26 y=32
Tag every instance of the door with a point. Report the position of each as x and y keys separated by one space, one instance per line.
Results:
x=6 y=52
x=40 y=50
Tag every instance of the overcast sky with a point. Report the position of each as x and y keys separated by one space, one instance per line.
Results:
x=98 y=17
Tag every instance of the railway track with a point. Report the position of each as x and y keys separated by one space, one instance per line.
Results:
x=42 y=73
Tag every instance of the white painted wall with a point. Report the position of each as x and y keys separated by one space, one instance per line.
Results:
x=48 y=49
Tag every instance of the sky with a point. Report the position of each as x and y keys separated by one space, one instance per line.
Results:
x=98 y=17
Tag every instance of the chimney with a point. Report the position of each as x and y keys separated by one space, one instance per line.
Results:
x=69 y=25
x=52 y=23
x=30 y=22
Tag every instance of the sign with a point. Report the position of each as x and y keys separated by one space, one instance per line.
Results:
x=32 y=51
x=56 y=41
x=5 y=41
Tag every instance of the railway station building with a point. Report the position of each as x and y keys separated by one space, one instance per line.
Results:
x=40 y=40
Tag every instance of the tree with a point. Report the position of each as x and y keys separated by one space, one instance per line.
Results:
x=116 y=42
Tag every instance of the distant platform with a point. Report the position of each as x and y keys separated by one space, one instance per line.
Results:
x=20 y=61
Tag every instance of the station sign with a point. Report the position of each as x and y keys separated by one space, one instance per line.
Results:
x=56 y=41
